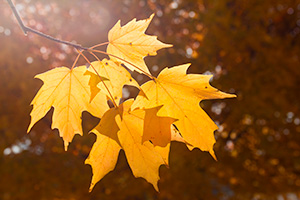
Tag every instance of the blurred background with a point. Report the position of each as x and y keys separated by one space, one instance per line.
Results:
x=251 y=47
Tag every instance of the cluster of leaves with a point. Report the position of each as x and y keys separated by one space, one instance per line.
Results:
x=166 y=108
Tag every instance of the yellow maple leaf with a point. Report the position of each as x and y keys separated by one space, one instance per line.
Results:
x=105 y=151
x=142 y=158
x=126 y=128
x=180 y=94
x=160 y=132
x=103 y=157
x=69 y=93
x=117 y=76
x=130 y=43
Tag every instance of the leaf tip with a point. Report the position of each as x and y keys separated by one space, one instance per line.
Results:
x=151 y=16
x=168 y=45
x=118 y=23
x=91 y=187
x=66 y=144
x=29 y=127
x=232 y=96
x=226 y=95
x=156 y=187
x=212 y=153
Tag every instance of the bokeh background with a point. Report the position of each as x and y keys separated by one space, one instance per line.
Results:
x=251 y=47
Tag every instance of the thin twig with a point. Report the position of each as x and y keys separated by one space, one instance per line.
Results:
x=80 y=48
x=27 y=29
x=21 y=24
x=76 y=46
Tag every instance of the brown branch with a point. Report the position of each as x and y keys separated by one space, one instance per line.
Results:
x=27 y=29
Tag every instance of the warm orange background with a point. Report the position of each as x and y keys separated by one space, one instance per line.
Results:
x=251 y=47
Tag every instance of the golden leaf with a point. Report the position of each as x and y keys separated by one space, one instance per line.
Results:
x=105 y=151
x=69 y=93
x=180 y=94
x=126 y=128
x=130 y=43
x=142 y=158
x=157 y=129
x=117 y=76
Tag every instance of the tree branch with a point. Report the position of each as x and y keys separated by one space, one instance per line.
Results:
x=27 y=29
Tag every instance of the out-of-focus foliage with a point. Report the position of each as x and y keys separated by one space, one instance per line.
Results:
x=251 y=47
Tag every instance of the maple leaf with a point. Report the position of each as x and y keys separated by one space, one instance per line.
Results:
x=160 y=132
x=103 y=157
x=127 y=128
x=69 y=93
x=180 y=94
x=117 y=76
x=130 y=43
x=105 y=151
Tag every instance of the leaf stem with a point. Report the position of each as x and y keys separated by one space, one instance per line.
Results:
x=103 y=52
x=76 y=59
x=98 y=45
x=111 y=96
x=95 y=56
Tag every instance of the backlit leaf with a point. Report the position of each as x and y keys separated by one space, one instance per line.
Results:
x=130 y=43
x=69 y=93
x=105 y=151
x=126 y=128
x=160 y=132
x=142 y=158
x=180 y=94
x=117 y=76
